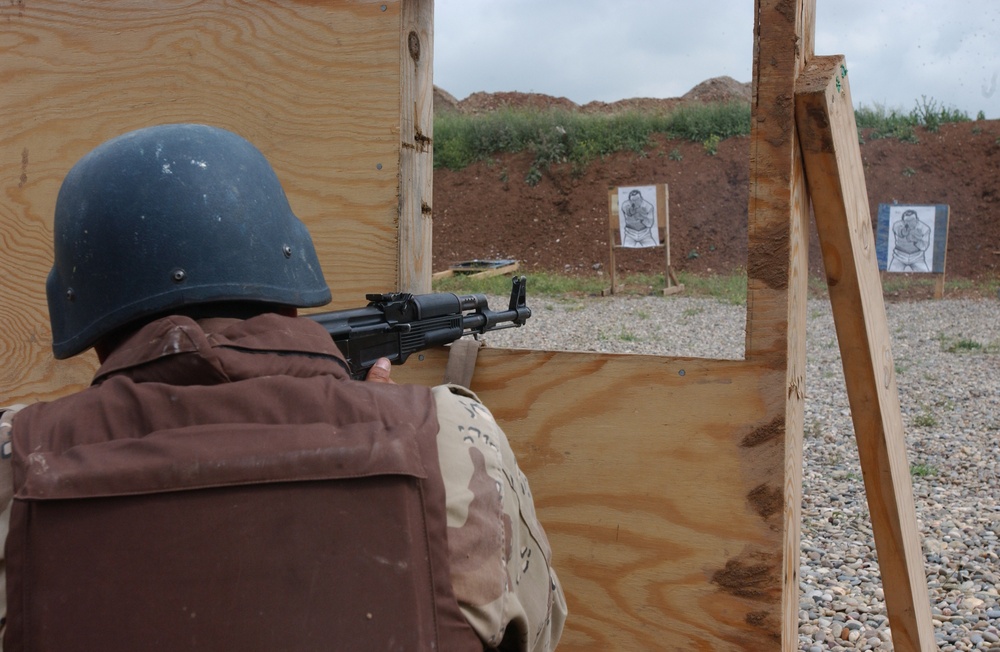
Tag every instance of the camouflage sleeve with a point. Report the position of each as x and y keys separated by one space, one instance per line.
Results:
x=500 y=558
x=6 y=498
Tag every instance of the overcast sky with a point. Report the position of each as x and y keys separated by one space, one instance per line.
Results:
x=897 y=50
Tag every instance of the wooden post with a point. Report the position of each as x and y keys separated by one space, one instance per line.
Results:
x=939 y=286
x=613 y=235
x=416 y=152
x=939 y=278
x=829 y=138
x=670 y=283
x=777 y=256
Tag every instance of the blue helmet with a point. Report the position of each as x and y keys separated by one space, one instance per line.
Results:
x=172 y=216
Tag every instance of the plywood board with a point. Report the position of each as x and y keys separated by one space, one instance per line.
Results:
x=316 y=86
x=660 y=485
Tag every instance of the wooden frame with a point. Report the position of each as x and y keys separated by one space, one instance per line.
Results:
x=670 y=488
x=670 y=283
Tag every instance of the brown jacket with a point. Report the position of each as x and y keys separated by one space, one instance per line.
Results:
x=275 y=370
x=317 y=513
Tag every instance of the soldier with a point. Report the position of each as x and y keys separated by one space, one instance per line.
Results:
x=378 y=516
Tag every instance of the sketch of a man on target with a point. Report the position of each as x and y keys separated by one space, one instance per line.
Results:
x=638 y=218
x=910 y=238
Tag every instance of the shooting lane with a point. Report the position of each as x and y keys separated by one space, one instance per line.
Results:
x=669 y=487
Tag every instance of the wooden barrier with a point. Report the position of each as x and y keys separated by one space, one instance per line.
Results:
x=336 y=95
x=659 y=483
x=670 y=487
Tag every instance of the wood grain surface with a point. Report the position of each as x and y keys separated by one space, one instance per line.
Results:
x=669 y=487
x=416 y=154
x=777 y=255
x=659 y=482
x=837 y=184
x=316 y=86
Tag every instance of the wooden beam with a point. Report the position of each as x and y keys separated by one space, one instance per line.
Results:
x=829 y=140
x=778 y=208
x=777 y=254
x=497 y=271
x=613 y=234
x=416 y=155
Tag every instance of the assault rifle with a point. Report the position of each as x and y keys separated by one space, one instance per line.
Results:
x=396 y=324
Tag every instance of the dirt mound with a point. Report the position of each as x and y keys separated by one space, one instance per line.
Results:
x=486 y=102
x=444 y=102
x=639 y=104
x=720 y=89
x=717 y=89
x=488 y=210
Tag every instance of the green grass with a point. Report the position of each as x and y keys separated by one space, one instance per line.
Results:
x=731 y=288
x=539 y=284
x=559 y=136
x=922 y=470
x=963 y=344
x=960 y=344
x=923 y=284
x=711 y=144
x=880 y=122
x=626 y=336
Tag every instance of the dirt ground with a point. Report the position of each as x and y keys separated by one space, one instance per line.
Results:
x=488 y=211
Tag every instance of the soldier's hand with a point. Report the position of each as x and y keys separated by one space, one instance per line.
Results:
x=379 y=373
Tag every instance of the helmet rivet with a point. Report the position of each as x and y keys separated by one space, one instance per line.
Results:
x=287 y=250
x=70 y=295
x=178 y=275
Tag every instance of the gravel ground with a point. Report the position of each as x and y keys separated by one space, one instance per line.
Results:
x=947 y=358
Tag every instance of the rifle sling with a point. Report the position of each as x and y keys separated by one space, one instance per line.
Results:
x=462 y=361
